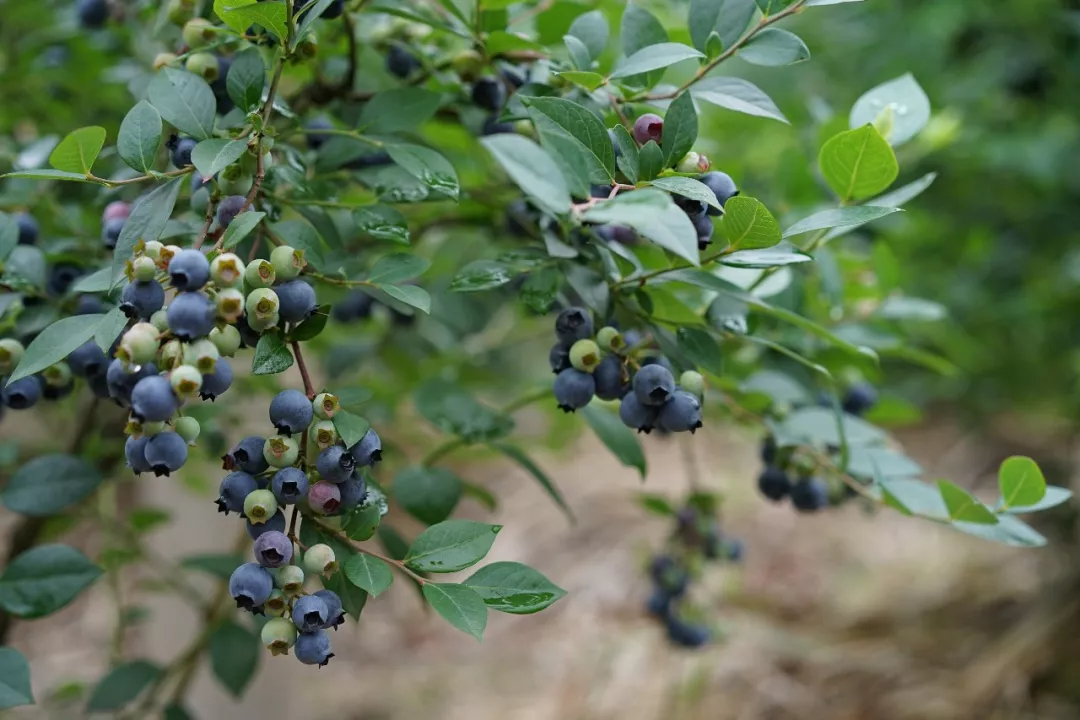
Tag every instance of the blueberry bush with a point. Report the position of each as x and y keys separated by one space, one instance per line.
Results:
x=409 y=204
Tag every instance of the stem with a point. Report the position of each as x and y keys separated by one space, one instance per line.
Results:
x=641 y=279
x=378 y=556
x=211 y=207
x=309 y=389
x=579 y=208
x=142 y=178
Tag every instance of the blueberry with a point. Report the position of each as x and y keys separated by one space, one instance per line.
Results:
x=489 y=94
x=273 y=549
x=229 y=208
x=616 y=233
x=636 y=415
x=614 y=143
x=220 y=86
x=353 y=491
x=189 y=270
x=735 y=550
x=297 y=301
x=278 y=635
x=669 y=575
x=61 y=276
x=135 y=453
x=335 y=464
x=693 y=208
x=181 y=152
x=310 y=613
x=493 y=126
x=110 y=232
x=654 y=385
x=88 y=360
x=99 y=386
x=276 y=523
x=88 y=305
x=686 y=634
x=335 y=616
x=121 y=382
x=28 y=228
x=704 y=228
x=658 y=360
x=333 y=10
x=573 y=324
x=375 y=159
x=250 y=586
x=92 y=13
x=574 y=389
x=152 y=399
x=859 y=399
x=191 y=316
x=354 y=306
x=142 y=299
x=233 y=489
x=681 y=412
x=320 y=559
x=313 y=648
x=314 y=139
x=217 y=382
x=22 y=394
x=247 y=456
x=774 y=483
x=611 y=383
x=559 y=358
x=324 y=498
x=809 y=494
x=368 y=451
x=289 y=485
x=648 y=127
x=291 y=412
x=659 y=603
x=166 y=452
x=722 y=186
x=57 y=392
x=400 y=62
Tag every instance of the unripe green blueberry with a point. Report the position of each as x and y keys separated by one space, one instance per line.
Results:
x=320 y=560
x=468 y=64
x=585 y=355
x=280 y=451
x=166 y=255
x=610 y=338
x=200 y=200
x=290 y=578
x=11 y=352
x=263 y=324
x=160 y=320
x=180 y=11
x=143 y=429
x=325 y=406
x=202 y=64
x=171 y=355
x=164 y=59
x=323 y=434
x=287 y=262
x=278 y=635
x=203 y=354
x=226 y=340
x=57 y=375
x=186 y=381
x=693 y=382
x=262 y=304
x=187 y=428
x=143 y=269
x=227 y=271
x=139 y=345
x=235 y=180
x=277 y=604
x=259 y=274
x=198 y=32
x=308 y=46
x=260 y=506
x=693 y=162
x=153 y=250
x=230 y=304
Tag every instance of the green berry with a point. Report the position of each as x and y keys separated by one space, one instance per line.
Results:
x=198 y=32
x=585 y=355
x=277 y=604
x=171 y=355
x=308 y=46
x=323 y=434
x=187 y=428
x=160 y=320
x=143 y=269
x=146 y=429
x=610 y=338
x=259 y=274
x=202 y=64
x=153 y=250
x=261 y=305
x=468 y=64
x=278 y=635
x=226 y=340
x=235 y=180
x=230 y=304
x=290 y=578
x=260 y=506
x=281 y=451
x=186 y=381
x=11 y=352
x=180 y=11
x=693 y=382
x=166 y=255
x=693 y=162
x=320 y=560
x=164 y=59
x=325 y=406
x=139 y=345
x=262 y=324
x=227 y=270
x=287 y=262
x=57 y=375
x=203 y=354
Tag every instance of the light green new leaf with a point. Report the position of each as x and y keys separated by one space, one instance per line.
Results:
x=963 y=506
x=748 y=224
x=77 y=152
x=858 y=163
x=1021 y=482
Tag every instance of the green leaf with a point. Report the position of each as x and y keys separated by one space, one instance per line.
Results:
x=271 y=355
x=773 y=46
x=398 y=110
x=311 y=328
x=775 y=256
x=301 y=235
x=879 y=462
x=459 y=605
x=27 y=265
x=579 y=54
x=9 y=236
x=451 y=546
x=650 y=161
x=1021 y=482
x=532 y=169
x=352 y=398
x=140 y=136
x=914 y=496
x=816 y=427
x=109 y=328
x=588 y=80
x=521 y=458
x=701 y=348
x=618 y=438
x=350 y=428
x=900 y=307
x=482 y=275
x=398 y=267
x=680 y=129
x=963 y=506
x=220 y=566
x=77 y=152
x=566 y=128
x=819 y=3
x=903 y=100
x=382 y=222
x=858 y=163
x=246 y=79
x=47 y=175
x=48 y=484
x=55 y=343
x=687 y=187
x=97 y=281
x=452 y=410
x=591 y=29
x=748 y=224
x=652 y=214
x=656 y=504
x=1054 y=496
x=353 y=598
x=739 y=95
x=234 y=656
x=146 y=221
x=655 y=57
x=307 y=16
x=628 y=157
x=411 y=295
x=44 y=579
x=428 y=494
x=240 y=228
x=839 y=217
x=639 y=29
x=123 y=684
x=240 y=14
x=1010 y=530
x=212 y=156
x=514 y=588
x=368 y=573
x=185 y=101
x=176 y=712
x=427 y=166
x=500 y=42
x=15 y=688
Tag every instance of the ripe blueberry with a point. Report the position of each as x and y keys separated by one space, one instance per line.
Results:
x=28 y=228
x=135 y=453
x=704 y=228
x=335 y=614
x=659 y=603
x=681 y=412
x=273 y=549
x=274 y=524
x=353 y=491
x=189 y=270
x=289 y=485
x=247 y=456
x=88 y=360
x=573 y=324
x=637 y=415
x=121 y=382
x=648 y=127
x=291 y=411
x=315 y=140
x=559 y=358
x=493 y=126
x=809 y=494
x=574 y=389
x=324 y=498
x=489 y=94
x=654 y=384
x=669 y=575
x=152 y=399
x=229 y=208
x=217 y=382
x=142 y=299
x=686 y=634
x=335 y=464
x=722 y=186
x=368 y=451
x=181 y=152
x=610 y=378
x=297 y=300
x=166 y=452
x=400 y=62
x=92 y=13
x=859 y=399
x=310 y=613
x=313 y=648
x=191 y=316
x=250 y=586
x=774 y=483
x=88 y=305
x=61 y=276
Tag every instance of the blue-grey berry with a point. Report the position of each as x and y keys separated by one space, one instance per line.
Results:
x=166 y=452
x=722 y=186
x=135 y=453
x=229 y=208
x=297 y=301
x=313 y=648
x=859 y=399
x=233 y=489
x=489 y=94
x=28 y=228
x=121 y=382
x=686 y=634
x=142 y=299
x=87 y=304
x=181 y=152
x=573 y=324
x=336 y=615
x=250 y=585
x=335 y=464
x=276 y=523
x=88 y=360
x=22 y=394
x=654 y=384
x=681 y=412
x=368 y=451
x=611 y=380
x=189 y=270
x=312 y=128
x=809 y=494
x=310 y=613
x=273 y=549
x=574 y=389
x=191 y=316
x=217 y=382
x=291 y=412
x=774 y=483
x=153 y=400
x=636 y=415
x=289 y=485
x=247 y=455
x=353 y=491
x=400 y=62
x=703 y=226
x=110 y=232
x=559 y=358
x=659 y=603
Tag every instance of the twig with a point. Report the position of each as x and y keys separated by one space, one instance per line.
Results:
x=142 y=178
x=378 y=556
x=309 y=389
x=207 y=222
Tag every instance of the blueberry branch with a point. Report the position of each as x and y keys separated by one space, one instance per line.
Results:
x=642 y=279
x=141 y=178
x=400 y=565
x=309 y=389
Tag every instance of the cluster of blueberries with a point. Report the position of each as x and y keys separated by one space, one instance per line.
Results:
x=650 y=399
x=697 y=537
x=266 y=476
x=807 y=492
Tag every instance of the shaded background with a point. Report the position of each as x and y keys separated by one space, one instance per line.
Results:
x=840 y=615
